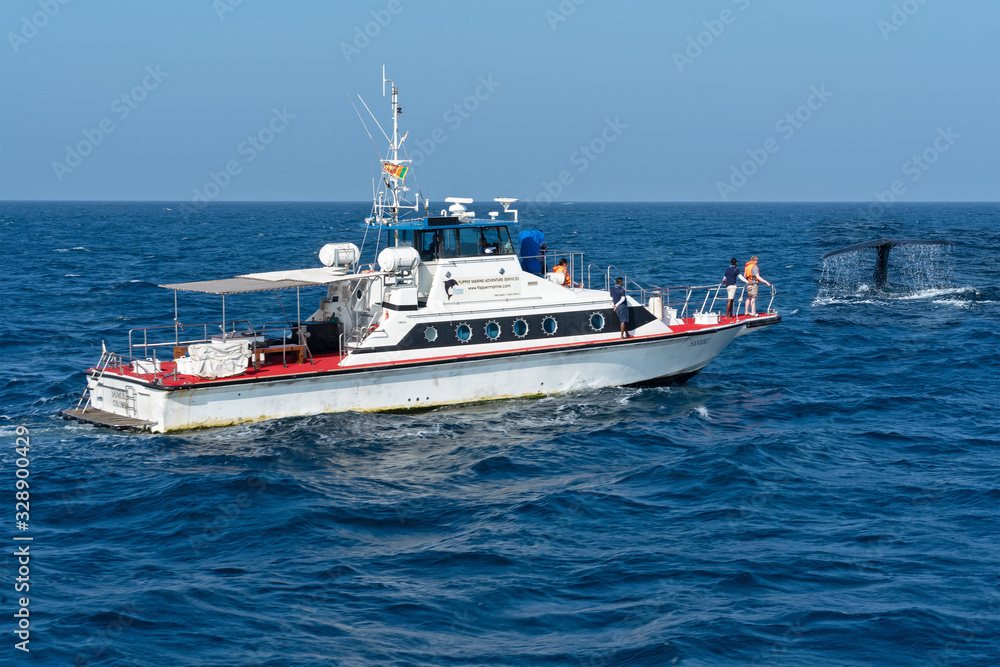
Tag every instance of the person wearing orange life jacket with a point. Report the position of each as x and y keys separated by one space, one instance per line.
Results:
x=729 y=282
x=752 y=275
x=563 y=268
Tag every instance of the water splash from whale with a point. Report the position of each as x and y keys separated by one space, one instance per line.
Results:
x=864 y=269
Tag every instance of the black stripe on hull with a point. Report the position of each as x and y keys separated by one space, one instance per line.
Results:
x=573 y=323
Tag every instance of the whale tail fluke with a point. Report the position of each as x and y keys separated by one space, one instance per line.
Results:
x=884 y=245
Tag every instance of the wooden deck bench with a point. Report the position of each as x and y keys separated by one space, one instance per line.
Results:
x=295 y=351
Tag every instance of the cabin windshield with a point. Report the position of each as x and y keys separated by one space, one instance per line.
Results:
x=434 y=244
x=404 y=238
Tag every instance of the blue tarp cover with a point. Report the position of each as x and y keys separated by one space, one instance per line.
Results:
x=531 y=241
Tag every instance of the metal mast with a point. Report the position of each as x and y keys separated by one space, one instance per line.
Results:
x=390 y=196
x=393 y=183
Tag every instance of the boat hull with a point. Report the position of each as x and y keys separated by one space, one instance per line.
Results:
x=648 y=359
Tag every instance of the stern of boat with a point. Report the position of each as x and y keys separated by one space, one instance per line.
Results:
x=118 y=401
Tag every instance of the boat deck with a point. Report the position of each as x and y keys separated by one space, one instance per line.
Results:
x=102 y=418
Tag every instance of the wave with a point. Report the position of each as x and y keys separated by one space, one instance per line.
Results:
x=845 y=454
x=938 y=291
x=864 y=295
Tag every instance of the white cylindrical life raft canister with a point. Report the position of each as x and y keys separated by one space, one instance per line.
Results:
x=396 y=260
x=656 y=306
x=339 y=254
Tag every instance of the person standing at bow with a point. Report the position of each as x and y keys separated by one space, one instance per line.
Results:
x=752 y=275
x=729 y=281
x=620 y=304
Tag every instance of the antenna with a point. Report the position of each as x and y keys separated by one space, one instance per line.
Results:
x=373 y=118
x=377 y=151
x=391 y=200
x=506 y=202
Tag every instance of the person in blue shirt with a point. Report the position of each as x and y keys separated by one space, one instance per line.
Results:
x=620 y=304
x=729 y=280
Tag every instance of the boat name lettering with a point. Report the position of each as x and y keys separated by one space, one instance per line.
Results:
x=699 y=341
x=119 y=398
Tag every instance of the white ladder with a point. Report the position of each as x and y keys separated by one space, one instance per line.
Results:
x=131 y=402
x=95 y=378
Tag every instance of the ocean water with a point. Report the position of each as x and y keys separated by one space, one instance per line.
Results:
x=824 y=493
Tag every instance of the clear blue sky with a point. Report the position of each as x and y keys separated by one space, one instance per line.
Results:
x=668 y=98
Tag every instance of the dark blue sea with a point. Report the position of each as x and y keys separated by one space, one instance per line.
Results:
x=825 y=493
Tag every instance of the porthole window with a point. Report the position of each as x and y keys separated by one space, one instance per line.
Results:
x=520 y=328
x=431 y=334
x=464 y=333
x=492 y=330
x=549 y=326
x=597 y=321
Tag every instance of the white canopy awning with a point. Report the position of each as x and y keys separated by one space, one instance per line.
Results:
x=272 y=280
x=236 y=285
x=323 y=275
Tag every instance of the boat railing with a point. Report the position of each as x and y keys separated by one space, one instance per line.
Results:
x=258 y=338
x=771 y=300
x=177 y=328
x=678 y=298
x=740 y=298
x=715 y=296
x=673 y=299
x=573 y=257
x=364 y=327
x=630 y=285
x=120 y=363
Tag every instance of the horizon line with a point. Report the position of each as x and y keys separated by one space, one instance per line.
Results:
x=525 y=201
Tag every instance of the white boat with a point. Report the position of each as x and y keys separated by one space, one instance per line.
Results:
x=449 y=313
